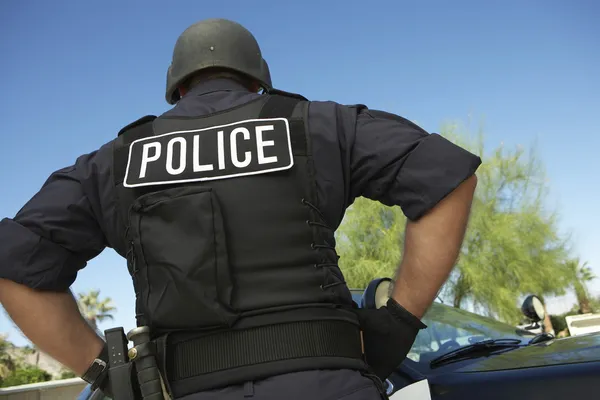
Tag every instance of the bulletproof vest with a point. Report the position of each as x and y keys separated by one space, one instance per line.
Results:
x=222 y=221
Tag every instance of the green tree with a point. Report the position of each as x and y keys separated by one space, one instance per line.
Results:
x=581 y=274
x=12 y=370
x=25 y=375
x=512 y=246
x=66 y=374
x=370 y=241
x=94 y=309
x=7 y=363
x=595 y=304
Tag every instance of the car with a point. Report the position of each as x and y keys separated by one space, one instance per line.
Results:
x=462 y=355
x=465 y=356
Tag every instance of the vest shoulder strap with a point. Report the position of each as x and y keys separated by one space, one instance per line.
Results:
x=136 y=130
x=283 y=93
x=145 y=119
x=295 y=110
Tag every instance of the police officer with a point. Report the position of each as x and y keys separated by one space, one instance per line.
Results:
x=225 y=209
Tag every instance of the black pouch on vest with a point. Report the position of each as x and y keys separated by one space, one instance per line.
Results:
x=181 y=265
x=388 y=334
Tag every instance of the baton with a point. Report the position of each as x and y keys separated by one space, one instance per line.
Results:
x=142 y=354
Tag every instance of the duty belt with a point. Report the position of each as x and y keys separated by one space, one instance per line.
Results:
x=235 y=356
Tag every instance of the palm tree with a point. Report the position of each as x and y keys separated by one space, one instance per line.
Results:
x=93 y=309
x=581 y=275
x=7 y=364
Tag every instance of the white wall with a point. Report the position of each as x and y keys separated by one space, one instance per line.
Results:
x=65 y=389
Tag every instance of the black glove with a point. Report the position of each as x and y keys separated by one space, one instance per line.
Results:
x=388 y=334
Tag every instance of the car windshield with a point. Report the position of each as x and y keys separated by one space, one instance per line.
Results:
x=449 y=328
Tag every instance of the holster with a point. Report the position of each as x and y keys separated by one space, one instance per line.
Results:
x=123 y=383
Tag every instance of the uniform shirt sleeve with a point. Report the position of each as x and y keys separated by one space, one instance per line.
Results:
x=396 y=162
x=54 y=234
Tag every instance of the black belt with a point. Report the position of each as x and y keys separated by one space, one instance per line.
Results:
x=235 y=356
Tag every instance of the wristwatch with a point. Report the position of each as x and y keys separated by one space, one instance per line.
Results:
x=97 y=370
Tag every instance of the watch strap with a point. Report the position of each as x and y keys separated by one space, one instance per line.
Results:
x=98 y=369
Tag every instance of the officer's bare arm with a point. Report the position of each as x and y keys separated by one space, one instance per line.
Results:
x=431 y=247
x=52 y=321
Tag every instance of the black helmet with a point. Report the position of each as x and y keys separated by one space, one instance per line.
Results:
x=215 y=43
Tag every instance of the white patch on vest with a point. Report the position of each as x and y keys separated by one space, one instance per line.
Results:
x=243 y=148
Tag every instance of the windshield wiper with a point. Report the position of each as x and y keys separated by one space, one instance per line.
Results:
x=485 y=346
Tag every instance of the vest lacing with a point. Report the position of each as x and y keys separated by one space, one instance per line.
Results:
x=133 y=270
x=325 y=246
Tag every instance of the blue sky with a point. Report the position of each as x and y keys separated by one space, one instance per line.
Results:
x=73 y=73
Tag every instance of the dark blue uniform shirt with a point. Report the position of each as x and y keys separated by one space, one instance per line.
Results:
x=374 y=154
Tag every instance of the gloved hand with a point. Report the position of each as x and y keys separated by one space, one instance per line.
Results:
x=388 y=334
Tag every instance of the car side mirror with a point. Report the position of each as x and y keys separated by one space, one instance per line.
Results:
x=376 y=294
x=533 y=308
